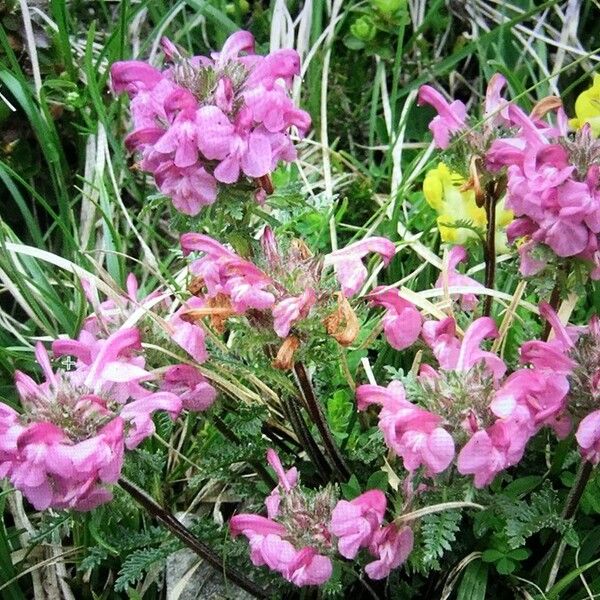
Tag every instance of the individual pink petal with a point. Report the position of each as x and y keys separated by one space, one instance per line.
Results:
x=248 y=524
x=256 y=161
x=588 y=437
x=215 y=132
x=289 y=310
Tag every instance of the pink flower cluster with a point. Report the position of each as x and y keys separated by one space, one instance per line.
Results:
x=290 y=289
x=299 y=537
x=553 y=178
x=208 y=120
x=67 y=447
x=357 y=524
x=553 y=189
x=575 y=352
x=472 y=404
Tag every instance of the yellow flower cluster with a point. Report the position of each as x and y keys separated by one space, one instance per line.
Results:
x=587 y=108
x=442 y=192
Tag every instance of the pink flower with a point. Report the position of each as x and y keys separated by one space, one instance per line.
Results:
x=552 y=355
x=496 y=107
x=189 y=336
x=139 y=415
x=456 y=355
x=180 y=141
x=252 y=525
x=451 y=118
x=402 y=320
x=391 y=546
x=197 y=122
x=308 y=567
x=496 y=448
x=240 y=41
x=347 y=263
x=287 y=481
x=553 y=195
x=355 y=522
x=588 y=437
x=412 y=432
x=109 y=365
x=223 y=271
x=453 y=278
x=52 y=471
x=76 y=423
x=543 y=396
x=215 y=132
x=189 y=188
x=132 y=76
x=249 y=151
x=262 y=533
x=301 y=567
x=190 y=385
x=289 y=310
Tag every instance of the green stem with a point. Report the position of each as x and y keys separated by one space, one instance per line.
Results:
x=180 y=531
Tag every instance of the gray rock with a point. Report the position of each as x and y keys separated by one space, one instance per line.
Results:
x=205 y=583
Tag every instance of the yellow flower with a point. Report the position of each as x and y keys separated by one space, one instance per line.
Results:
x=587 y=108
x=442 y=192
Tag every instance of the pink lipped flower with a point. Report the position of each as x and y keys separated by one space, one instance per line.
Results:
x=412 y=432
x=67 y=448
x=348 y=266
x=287 y=480
x=355 y=522
x=390 y=546
x=451 y=118
x=588 y=437
x=402 y=321
x=453 y=277
x=289 y=310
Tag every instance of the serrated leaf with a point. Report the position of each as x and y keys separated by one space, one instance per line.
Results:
x=438 y=531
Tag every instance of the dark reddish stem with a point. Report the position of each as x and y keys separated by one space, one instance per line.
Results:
x=180 y=531
x=318 y=417
x=489 y=249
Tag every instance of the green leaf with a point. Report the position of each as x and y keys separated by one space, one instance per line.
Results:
x=505 y=566
x=522 y=486
x=474 y=582
x=559 y=586
x=439 y=531
x=351 y=489
x=519 y=554
x=378 y=481
x=492 y=555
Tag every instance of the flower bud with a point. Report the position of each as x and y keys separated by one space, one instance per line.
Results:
x=364 y=29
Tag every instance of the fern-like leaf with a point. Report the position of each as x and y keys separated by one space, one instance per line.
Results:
x=438 y=532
